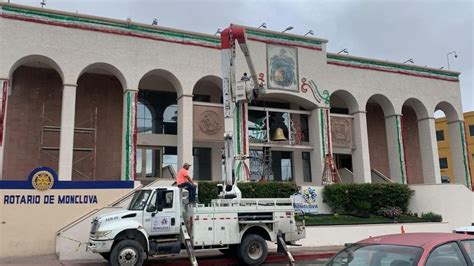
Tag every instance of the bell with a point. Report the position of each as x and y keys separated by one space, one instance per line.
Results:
x=278 y=135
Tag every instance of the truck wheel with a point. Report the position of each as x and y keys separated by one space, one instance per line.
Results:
x=253 y=250
x=105 y=255
x=127 y=252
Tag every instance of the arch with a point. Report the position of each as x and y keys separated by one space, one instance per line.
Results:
x=104 y=68
x=209 y=86
x=348 y=99
x=170 y=77
x=449 y=110
x=384 y=102
x=420 y=109
x=39 y=61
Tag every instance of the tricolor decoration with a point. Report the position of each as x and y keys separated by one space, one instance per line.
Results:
x=401 y=148
x=131 y=135
x=325 y=133
x=320 y=97
x=283 y=39
x=361 y=63
x=3 y=101
x=108 y=26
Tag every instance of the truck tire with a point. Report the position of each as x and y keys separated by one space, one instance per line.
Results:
x=253 y=250
x=105 y=255
x=127 y=252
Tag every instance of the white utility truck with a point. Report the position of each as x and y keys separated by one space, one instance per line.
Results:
x=159 y=221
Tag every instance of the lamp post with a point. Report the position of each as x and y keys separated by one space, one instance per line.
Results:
x=288 y=28
x=447 y=57
x=343 y=51
x=409 y=61
x=263 y=25
x=310 y=32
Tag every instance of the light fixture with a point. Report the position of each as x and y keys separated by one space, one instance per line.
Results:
x=441 y=67
x=409 y=61
x=155 y=21
x=343 y=51
x=447 y=57
x=288 y=28
x=43 y=3
x=310 y=32
x=264 y=25
x=218 y=31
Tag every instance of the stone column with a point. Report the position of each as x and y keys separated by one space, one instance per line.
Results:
x=66 y=141
x=396 y=154
x=129 y=144
x=3 y=119
x=460 y=161
x=318 y=137
x=360 y=154
x=429 y=151
x=185 y=129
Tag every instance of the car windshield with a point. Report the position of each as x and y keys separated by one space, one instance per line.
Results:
x=377 y=255
x=139 y=200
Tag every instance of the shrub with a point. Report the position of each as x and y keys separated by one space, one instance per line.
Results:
x=341 y=198
x=390 y=212
x=207 y=190
x=362 y=209
x=432 y=217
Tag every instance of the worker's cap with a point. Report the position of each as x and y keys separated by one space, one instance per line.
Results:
x=186 y=164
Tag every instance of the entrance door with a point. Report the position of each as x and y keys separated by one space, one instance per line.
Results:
x=149 y=163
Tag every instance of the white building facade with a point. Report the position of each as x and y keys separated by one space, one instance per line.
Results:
x=103 y=99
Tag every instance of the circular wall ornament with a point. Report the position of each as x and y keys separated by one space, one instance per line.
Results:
x=209 y=123
x=42 y=180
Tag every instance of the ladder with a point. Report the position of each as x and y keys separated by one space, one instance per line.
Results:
x=330 y=173
x=267 y=171
x=189 y=245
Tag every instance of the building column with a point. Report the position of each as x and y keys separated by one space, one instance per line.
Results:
x=360 y=155
x=66 y=141
x=319 y=137
x=429 y=151
x=396 y=152
x=4 y=92
x=129 y=144
x=185 y=129
x=458 y=145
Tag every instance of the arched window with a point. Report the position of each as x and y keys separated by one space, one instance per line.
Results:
x=144 y=118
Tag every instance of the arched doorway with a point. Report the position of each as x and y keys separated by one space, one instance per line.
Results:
x=98 y=124
x=33 y=117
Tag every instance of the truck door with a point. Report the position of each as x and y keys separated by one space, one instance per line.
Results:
x=161 y=217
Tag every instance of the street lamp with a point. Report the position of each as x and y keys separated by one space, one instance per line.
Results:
x=155 y=22
x=264 y=25
x=287 y=29
x=219 y=31
x=343 y=51
x=310 y=32
x=447 y=57
x=409 y=61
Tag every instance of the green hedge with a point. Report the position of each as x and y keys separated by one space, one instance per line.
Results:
x=362 y=199
x=208 y=190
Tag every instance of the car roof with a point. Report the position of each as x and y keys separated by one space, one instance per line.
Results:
x=416 y=239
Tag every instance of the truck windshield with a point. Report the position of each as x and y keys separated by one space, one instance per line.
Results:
x=139 y=200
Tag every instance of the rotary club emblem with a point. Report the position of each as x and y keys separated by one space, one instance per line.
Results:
x=42 y=180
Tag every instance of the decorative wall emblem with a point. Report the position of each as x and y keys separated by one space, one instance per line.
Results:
x=282 y=67
x=209 y=123
x=42 y=178
x=341 y=131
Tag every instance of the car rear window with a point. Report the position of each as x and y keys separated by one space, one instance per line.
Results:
x=384 y=255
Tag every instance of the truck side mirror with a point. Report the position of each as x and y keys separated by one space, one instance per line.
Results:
x=151 y=208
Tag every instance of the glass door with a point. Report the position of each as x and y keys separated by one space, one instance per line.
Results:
x=149 y=163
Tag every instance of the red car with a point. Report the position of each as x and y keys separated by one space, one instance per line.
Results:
x=422 y=249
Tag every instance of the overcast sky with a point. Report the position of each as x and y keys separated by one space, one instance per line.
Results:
x=395 y=30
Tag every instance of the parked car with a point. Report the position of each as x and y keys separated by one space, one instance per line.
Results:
x=465 y=230
x=422 y=249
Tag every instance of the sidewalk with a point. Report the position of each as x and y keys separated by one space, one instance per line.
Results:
x=205 y=258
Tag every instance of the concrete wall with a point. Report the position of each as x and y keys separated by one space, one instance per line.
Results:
x=29 y=230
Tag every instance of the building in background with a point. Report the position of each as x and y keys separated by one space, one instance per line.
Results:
x=444 y=151
x=105 y=99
